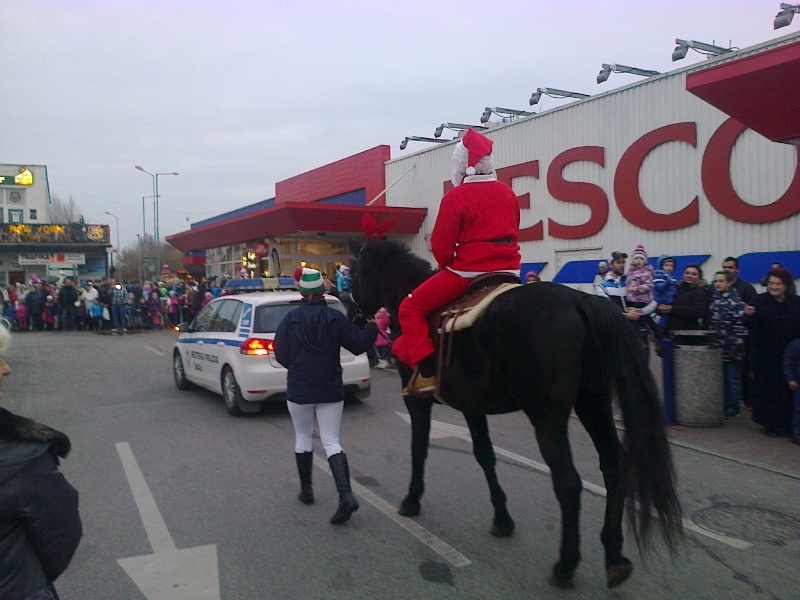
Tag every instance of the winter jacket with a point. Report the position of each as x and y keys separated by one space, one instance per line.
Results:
x=308 y=342
x=664 y=287
x=40 y=527
x=791 y=362
x=477 y=227
x=67 y=296
x=726 y=318
x=640 y=284
x=690 y=306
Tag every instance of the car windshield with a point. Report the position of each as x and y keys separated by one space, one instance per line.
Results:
x=269 y=316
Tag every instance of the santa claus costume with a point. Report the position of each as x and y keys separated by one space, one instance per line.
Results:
x=475 y=233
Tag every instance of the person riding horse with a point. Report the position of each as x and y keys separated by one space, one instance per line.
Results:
x=475 y=233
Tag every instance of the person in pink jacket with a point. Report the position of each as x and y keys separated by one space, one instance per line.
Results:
x=475 y=233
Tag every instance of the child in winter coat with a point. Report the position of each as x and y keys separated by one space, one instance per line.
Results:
x=640 y=280
x=154 y=310
x=49 y=313
x=96 y=314
x=10 y=313
x=664 y=284
x=21 y=316
x=791 y=372
x=727 y=320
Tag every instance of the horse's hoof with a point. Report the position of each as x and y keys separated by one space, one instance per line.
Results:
x=567 y=584
x=502 y=529
x=409 y=510
x=562 y=577
x=617 y=574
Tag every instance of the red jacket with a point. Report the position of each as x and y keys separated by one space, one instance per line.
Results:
x=470 y=216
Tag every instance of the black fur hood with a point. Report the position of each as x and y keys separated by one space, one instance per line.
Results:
x=22 y=439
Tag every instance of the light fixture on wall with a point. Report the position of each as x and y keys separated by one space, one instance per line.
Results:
x=456 y=127
x=784 y=18
x=554 y=93
x=504 y=112
x=710 y=49
x=617 y=68
x=416 y=138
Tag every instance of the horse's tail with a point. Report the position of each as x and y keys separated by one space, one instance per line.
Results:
x=648 y=473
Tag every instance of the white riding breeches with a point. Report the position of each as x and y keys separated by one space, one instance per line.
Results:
x=329 y=419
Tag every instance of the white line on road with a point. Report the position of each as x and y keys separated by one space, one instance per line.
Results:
x=447 y=552
x=168 y=573
x=439 y=429
x=155 y=350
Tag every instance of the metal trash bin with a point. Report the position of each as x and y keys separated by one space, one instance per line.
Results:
x=699 y=391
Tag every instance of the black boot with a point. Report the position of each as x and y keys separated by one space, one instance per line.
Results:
x=341 y=475
x=305 y=462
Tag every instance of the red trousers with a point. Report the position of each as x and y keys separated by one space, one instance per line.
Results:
x=415 y=343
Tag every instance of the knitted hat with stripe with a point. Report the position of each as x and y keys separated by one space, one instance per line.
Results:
x=310 y=282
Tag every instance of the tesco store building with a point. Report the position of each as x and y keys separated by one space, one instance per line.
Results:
x=699 y=163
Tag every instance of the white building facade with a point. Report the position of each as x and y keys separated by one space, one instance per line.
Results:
x=648 y=163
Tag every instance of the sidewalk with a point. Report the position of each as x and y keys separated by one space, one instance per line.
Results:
x=737 y=439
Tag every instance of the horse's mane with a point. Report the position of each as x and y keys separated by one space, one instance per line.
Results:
x=397 y=268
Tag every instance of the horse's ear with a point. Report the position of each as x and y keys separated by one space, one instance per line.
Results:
x=355 y=246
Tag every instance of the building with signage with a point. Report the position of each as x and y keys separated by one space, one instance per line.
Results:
x=30 y=244
x=308 y=221
x=700 y=163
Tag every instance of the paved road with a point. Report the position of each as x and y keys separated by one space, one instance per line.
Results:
x=175 y=490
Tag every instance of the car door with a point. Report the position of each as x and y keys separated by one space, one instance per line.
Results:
x=222 y=346
x=198 y=338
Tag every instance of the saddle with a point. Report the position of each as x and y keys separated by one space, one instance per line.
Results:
x=464 y=313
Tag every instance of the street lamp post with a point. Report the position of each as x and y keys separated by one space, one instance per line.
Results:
x=116 y=219
x=155 y=214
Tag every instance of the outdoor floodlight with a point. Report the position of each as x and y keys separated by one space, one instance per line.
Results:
x=414 y=138
x=683 y=47
x=608 y=69
x=784 y=18
x=507 y=112
x=456 y=127
x=554 y=93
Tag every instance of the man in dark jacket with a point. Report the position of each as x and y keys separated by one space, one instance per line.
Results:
x=748 y=295
x=35 y=303
x=67 y=299
x=40 y=527
x=308 y=343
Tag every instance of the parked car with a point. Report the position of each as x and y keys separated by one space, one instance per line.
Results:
x=228 y=349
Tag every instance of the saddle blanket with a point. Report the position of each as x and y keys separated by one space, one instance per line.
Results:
x=458 y=319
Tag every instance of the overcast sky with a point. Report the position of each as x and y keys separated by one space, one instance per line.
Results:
x=237 y=95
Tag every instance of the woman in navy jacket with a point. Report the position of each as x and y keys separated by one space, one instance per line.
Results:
x=307 y=343
x=40 y=527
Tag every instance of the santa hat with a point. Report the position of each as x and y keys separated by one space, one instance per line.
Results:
x=310 y=282
x=474 y=148
x=639 y=252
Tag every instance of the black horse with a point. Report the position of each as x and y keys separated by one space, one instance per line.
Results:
x=545 y=349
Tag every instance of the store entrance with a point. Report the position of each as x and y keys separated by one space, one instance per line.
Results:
x=15 y=277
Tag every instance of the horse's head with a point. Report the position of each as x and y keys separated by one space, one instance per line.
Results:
x=382 y=273
x=363 y=285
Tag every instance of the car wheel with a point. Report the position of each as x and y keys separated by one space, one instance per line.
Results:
x=179 y=372
x=231 y=393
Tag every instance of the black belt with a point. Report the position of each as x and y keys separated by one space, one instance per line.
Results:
x=505 y=240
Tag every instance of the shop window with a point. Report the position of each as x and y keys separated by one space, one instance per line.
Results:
x=15 y=215
x=2 y=215
x=33 y=214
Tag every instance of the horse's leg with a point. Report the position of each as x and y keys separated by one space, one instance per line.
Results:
x=503 y=524
x=420 y=412
x=551 y=433
x=594 y=411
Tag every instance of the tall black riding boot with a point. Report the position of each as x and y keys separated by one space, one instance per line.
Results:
x=305 y=462
x=341 y=475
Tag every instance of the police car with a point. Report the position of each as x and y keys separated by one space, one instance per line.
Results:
x=228 y=349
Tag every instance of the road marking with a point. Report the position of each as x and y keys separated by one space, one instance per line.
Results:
x=155 y=350
x=168 y=573
x=441 y=430
x=447 y=552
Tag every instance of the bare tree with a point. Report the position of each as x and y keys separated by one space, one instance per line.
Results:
x=64 y=211
x=130 y=261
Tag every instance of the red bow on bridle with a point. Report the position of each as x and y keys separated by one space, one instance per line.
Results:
x=375 y=230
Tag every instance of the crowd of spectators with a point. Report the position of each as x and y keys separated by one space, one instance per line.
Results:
x=757 y=333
